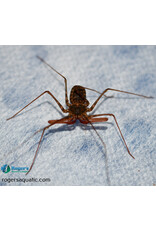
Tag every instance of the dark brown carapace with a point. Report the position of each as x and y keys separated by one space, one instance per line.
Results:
x=77 y=109
x=78 y=102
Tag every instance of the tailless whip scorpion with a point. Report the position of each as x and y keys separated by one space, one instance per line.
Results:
x=77 y=109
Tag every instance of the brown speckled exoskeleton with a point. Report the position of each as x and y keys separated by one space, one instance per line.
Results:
x=77 y=110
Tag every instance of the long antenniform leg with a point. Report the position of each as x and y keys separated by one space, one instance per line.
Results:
x=61 y=107
x=98 y=92
x=66 y=95
x=94 y=104
x=62 y=120
x=91 y=118
x=87 y=120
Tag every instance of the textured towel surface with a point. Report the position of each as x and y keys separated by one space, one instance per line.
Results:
x=73 y=154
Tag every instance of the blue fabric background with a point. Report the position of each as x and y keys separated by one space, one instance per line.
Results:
x=74 y=155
